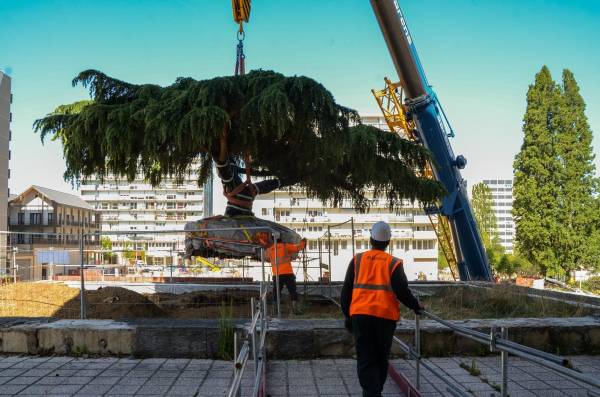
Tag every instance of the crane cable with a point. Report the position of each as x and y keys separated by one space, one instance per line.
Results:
x=241 y=14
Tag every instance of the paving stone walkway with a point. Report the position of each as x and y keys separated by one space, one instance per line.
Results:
x=67 y=376
x=338 y=377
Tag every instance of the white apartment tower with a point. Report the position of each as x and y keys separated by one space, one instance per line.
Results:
x=137 y=207
x=5 y=136
x=413 y=237
x=502 y=199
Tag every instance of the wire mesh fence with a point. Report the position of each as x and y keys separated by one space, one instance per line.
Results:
x=135 y=275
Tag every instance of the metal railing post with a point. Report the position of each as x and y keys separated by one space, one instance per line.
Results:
x=253 y=330
x=353 y=245
x=14 y=265
x=329 y=254
x=320 y=244
x=278 y=291
x=418 y=350
x=504 y=363
x=82 y=310
x=236 y=370
x=262 y=261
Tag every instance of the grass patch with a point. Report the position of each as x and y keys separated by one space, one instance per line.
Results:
x=455 y=303
x=226 y=331
x=471 y=369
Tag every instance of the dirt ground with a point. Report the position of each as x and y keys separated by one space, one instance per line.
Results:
x=58 y=300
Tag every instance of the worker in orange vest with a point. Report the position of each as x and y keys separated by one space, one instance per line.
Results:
x=375 y=285
x=283 y=268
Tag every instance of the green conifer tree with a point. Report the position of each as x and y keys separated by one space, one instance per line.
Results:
x=537 y=171
x=290 y=128
x=577 y=243
x=487 y=223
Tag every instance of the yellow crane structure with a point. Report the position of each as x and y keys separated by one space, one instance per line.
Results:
x=390 y=101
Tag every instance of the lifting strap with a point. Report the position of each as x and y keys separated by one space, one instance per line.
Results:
x=231 y=196
x=241 y=14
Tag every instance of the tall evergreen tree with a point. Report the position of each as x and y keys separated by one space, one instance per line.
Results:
x=487 y=223
x=577 y=241
x=556 y=209
x=537 y=171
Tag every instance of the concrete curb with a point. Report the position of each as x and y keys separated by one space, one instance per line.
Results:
x=287 y=339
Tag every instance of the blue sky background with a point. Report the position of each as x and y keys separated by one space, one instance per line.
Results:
x=480 y=55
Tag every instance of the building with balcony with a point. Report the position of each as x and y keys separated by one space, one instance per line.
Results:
x=130 y=209
x=413 y=237
x=502 y=199
x=46 y=227
x=5 y=135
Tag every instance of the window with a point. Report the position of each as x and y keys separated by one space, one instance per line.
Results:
x=312 y=245
x=336 y=247
x=21 y=218
x=60 y=219
x=132 y=206
x=171 y=197
x=359 y=245
x=104 y=206
x=344 y=244
x=50 y=218
x=68 y=219
x=114 y=206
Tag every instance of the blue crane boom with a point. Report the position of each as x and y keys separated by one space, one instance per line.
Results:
x=426 y=113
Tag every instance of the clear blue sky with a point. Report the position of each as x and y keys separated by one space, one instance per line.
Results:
x=480 y=55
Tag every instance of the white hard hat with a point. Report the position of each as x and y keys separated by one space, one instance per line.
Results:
x=381 y=232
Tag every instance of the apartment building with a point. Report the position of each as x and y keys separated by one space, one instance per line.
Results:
x=413 y=237
x=137 y=207
x=45 y=227
x=5 y=136
x=502 y=198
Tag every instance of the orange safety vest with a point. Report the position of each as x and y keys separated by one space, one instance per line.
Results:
x=372 y=293
x=284 y=257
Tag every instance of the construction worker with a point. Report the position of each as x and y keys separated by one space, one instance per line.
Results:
x=240 y=194
x=375 y=282
x=283 y=267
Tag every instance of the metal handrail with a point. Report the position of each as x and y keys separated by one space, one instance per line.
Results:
x=499 y=343
x=253 y=342
x=239 y=367
x=411 y=353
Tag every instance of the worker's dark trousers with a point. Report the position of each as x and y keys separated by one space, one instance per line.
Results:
x=373 y=340
x=287 y=280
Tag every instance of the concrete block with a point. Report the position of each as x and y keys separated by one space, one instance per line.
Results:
x=18 y=341
x=98 y=337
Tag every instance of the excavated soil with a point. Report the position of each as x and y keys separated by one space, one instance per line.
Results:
x=58 y=300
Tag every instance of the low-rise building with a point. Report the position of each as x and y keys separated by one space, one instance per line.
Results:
x=45 y=227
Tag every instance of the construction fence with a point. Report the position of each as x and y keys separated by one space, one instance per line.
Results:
x=138 y=274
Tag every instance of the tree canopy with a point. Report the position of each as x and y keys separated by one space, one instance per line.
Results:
x=291 y=127
x=555 y=188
